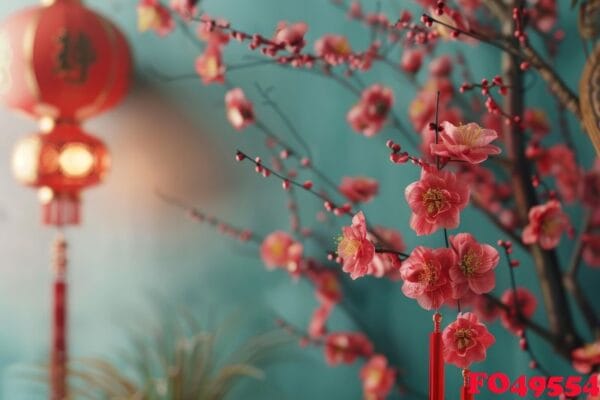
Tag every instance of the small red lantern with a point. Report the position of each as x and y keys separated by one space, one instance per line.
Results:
x=62 y=61
x=61 y=162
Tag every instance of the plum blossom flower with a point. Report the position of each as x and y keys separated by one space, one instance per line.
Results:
x=591 y=250
x=470 y=143
x=211 y=31
x=474 y=270
x=346 y=347
x=209 y=65
x=355 y=248
x=359 y=189
x=327 y=285
x=387 y=264
x=368 y=115
x=585 y=358
x=535 y=120
x=155 y=16
x=544 y=14
x=426 y=276
x=334 y=49
x=441 y=66
x=466 y=341
x=291 y=36
x=185 y=8
x=378 y=377
x=547 y=222
x=240 y=111
x=317 y=327
x=525 y=303
x=279 y=249
x=411 y=61
x=436 y=201
x=485 y=309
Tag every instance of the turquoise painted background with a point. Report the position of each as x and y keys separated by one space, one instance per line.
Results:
x=133 y=251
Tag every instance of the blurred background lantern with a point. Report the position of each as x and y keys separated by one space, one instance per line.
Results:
x=61 y=63
x=61 y=163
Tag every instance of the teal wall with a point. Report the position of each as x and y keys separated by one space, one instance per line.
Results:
x=133 y=250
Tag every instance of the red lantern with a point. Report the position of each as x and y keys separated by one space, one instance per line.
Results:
x=61 y=162
x=62 y=61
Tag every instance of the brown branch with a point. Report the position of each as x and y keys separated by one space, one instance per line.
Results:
x=546 y=262
x=496 y=221
x=570 y=278
x=557 y=86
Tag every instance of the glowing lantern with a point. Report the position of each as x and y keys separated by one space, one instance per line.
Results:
x=63 y=61
x=61 y=162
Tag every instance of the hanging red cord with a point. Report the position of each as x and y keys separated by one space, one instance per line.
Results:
x=58 y=352
x=465 y=394
x=436 y=361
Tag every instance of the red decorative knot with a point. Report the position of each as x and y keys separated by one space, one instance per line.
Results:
x=437 y=322
x=59 y=256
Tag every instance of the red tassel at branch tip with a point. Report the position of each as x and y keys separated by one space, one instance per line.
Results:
x=436 y=361
x=465 y=393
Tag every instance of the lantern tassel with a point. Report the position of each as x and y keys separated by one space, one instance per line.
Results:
x=58 y=353
x=436 y=362
x=465 y=394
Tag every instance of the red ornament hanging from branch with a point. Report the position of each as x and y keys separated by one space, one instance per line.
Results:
x=62 y=61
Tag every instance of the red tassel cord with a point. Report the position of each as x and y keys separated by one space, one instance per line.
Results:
x=58 y=353
x=465 y=393
x=436 y=361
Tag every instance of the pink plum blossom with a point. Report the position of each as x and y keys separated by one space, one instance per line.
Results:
x=426 y=276
x=466 y=341
x=440 y=66
x=334 y=49
x=470 y=143
x=369 y=114
x=291 y=36
x=318 y=323
x=359 y=189
x=526 y=304
x=436 y=201
x=346 y=347
x=378 y=377
x=411 y=60
x=547 y=222
x=591 y=249
x=474 y=270
x=585 y=358
x=153 y=15
x=355 y=249
x=240 y=111
x=279 y=249
x=209 y=65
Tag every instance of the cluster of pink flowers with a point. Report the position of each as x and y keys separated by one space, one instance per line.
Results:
x=435 y=277
x=370 y=113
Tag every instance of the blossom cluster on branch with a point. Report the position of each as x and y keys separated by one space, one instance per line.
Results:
x=472 y=144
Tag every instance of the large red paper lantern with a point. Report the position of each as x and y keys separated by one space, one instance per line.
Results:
x=61 y=162
x=62 y=61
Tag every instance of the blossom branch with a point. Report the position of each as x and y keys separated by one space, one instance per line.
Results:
x=571 y=282
x=243 y=235
x=546 y=261
x=523 y=342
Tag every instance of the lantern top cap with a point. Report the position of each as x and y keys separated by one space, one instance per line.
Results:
x=50 y=2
